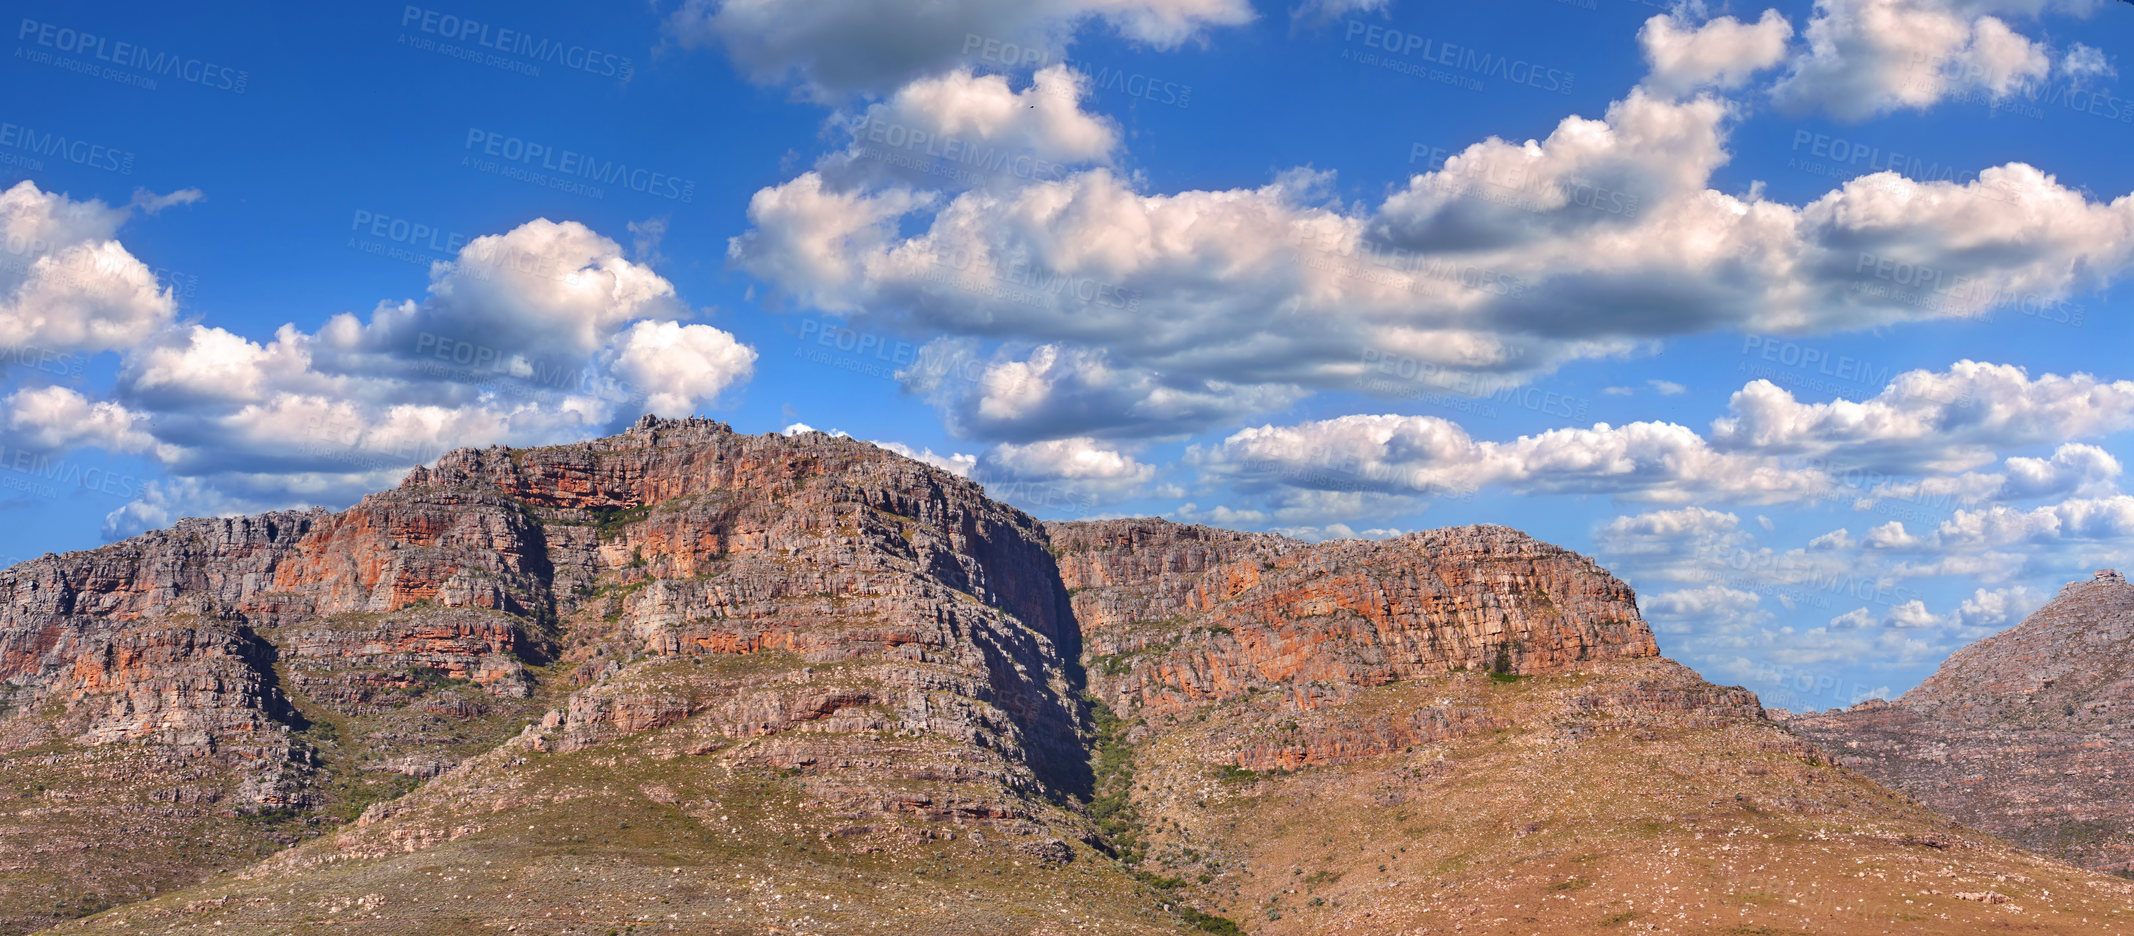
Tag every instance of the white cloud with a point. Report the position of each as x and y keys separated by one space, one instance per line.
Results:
x=1319 y=12
x=955 y=463
x=1721 y=53
x=1944 y=421
x=66 y=285
x=57 y=418
x=682 y=366
x=977 y=122
x=2084 y=63
x=1667 y=387
x=2076 y=519
x=1891 y=535
x=2000 y=607
x=543 y=290
x=542 y=334
x=1911 y=614
x=1870 y=57
x=1424 y=455
x=1713 y=608
x=1838 y=539
x=2073 y=469
x=1074 y=469
x=152 y=203
x=837 y=48
x=1055 y=390
x=166 y=501
x=1505 y=263
x=1854 y=619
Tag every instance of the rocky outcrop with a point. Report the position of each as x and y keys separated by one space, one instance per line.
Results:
x=2028 y=733
x=1175 y=616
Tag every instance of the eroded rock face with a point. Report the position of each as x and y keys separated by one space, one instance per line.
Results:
x=285 y=653
x=2027 y=734
x=1175 y=616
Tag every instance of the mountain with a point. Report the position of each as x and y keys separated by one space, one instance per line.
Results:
x=685 y=680
x=2028 y=734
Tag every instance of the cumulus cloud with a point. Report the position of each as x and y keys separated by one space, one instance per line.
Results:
x=2073 y=468
x=1854 y=619
x=683 y=366
x=1870 y=57
x=58 y=418
x=66 y=284
x=2106 y=519
x=166 y=501
x=1061 y=472
x=1891 y=535
x=978 y=124
x=1950 y=420
x=543 y=290
x=1424 y=455
x=842 y=47
x=2000 y=607
x=542 y=334
x=1055 y=390
x=955 y=463
x=1667 y=531
x=1504 y=262
x=1720 y=53
x=1712 y=607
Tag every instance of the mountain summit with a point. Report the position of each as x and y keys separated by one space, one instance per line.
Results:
x=686 y=680
x=2025 y=733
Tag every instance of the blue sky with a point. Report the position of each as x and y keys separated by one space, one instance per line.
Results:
x=1807 y=320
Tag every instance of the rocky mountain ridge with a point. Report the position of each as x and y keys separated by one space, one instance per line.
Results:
x=2028 y=733
x=682 y=679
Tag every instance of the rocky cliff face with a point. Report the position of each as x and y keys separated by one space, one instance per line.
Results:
x=1176 y=616
x=686 y=679
x=2028 y=733
x=290 y=667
